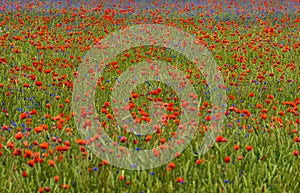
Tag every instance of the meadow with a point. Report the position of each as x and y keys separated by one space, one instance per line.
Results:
x=255 y=45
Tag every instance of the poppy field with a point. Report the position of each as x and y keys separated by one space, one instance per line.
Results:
x=254 y=44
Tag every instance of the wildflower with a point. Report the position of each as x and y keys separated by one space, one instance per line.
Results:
x=65 y=148
x=33 y=112
x=56 y=178
x=171 y=165
x=51 y=163
x=17 y=152
x=297 y=139
x=38 y=129
x=296 y=153
x=249 y=148
x=65 y=186
x=264 y=116
x=24 y=174
x=23 y=116
x=148 y=138
x=26 y=85
x=31 y=163
x=41 y=189
x=105 y=162
x=28 y=153
x=19 y=136
x=123 y=139
x=33 y=77
x=47 y=189
x=10 y=145
x=121 y=178
x=220 y=139
x=180 y=180
x=227 y=159
x=240 y=157
x=198 y=161
x=236 y=147
x=38 y=83
x=47 y=71
x=44 y=145
x=208 y=118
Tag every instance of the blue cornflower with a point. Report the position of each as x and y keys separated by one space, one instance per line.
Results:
x=14 y=123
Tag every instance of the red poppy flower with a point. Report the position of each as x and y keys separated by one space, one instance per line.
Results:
x=44 y=145
x=296 y=153
x=227 y=159
x=249 y=148
x=231 y=97
x=19 y=136
x=123 y=139
x=65 y=148
x=148 y=138
x=296 y=139
x=24 y=174
x=33 y=112
x=121 y=178
x=264 y=116
x=31 y=163
x=180 y=180
x=26 y=85
x=198 y=161
x=38 y=129
x=10 y=145
x=51 y=163
x=38 y=83
x=251 y=94
x=236 y=147
x=171 y=165
x=23 y=116
x=208 y=118
x=220 y=139
x=240 y=157
x=105 y=162
x=28 y=153
x=56 y=178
